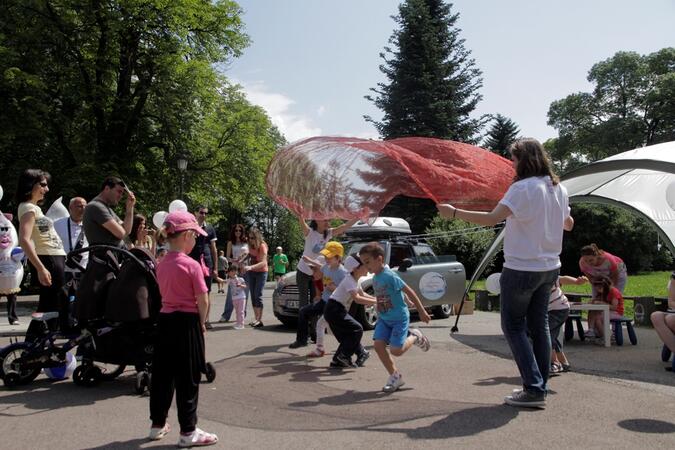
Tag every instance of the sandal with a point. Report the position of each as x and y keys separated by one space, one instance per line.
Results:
x=197 y=438
x=566 y=367
x=556 y=369
x=157 y=433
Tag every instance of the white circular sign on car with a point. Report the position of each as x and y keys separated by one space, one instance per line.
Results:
x=432 y=285
x=670 y=195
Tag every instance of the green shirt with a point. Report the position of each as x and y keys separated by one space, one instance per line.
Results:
x=279 y=261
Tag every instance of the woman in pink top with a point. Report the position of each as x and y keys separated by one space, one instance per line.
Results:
x=256 y=272
x=178 y=356
x=595 y=262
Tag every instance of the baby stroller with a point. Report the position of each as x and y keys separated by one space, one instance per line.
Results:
x=118 y=301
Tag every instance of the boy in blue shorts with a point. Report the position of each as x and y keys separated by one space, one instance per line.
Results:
x=393 y=317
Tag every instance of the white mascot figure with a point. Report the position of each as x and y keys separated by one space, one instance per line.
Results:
x=11 y=258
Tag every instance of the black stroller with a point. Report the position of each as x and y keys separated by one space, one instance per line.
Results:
x=118 y=301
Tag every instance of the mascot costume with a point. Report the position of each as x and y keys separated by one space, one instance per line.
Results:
x=11 y=264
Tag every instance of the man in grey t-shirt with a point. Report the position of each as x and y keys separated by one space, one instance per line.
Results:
x=101 y=224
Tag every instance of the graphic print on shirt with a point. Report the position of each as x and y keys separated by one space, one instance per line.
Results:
x=384 y=303
x=45 y=225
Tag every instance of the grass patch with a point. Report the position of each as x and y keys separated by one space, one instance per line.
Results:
x=650 y=284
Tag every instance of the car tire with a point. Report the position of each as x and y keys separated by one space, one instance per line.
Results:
x=442 y=311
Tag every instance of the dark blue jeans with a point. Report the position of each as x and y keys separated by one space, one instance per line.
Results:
x=524 y=306
x=256 y=284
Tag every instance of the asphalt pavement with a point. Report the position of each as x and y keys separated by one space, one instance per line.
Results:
x=269 y=396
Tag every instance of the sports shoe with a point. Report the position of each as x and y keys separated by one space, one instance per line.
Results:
x=197 y=438
x=239 y=327
x=257 y=324
x=526 y=399
x=394 y=382
x=316 y=353
x=296 y=344
x=157 y=433
x=362 y=358
x=14 y=322
x=422 y=341
x=589 y=333
x=340 y=361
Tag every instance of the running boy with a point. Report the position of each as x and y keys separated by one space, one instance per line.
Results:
x=348 y=331
x=178 y=357
x=332 y=274
x=393 y=317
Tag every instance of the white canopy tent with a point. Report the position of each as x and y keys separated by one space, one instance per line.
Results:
x=640 y=180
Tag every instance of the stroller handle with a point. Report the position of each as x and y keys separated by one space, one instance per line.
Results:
x=127 y=254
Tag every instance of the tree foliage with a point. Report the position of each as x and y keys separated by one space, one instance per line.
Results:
x=432 y=81
x=631 y=105
x=126 y=87
x=502 y=133
x=462 y=239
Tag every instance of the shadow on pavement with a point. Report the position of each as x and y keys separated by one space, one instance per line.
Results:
x=464 y=422
x=647 y=426
x=495 y=381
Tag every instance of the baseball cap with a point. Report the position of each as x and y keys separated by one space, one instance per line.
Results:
x=178 y=221
x=333 y=248
x=351 y=263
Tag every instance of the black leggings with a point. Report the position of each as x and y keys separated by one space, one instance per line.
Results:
x=52 y=298
x=305 y=288
x=177 y=365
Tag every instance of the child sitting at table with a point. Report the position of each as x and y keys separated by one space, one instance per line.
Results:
x=605 y=293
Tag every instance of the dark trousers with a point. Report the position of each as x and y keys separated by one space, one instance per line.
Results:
x=306 y=313
x=52 y=298
x=305 y=288
x=177 y=365
x=345 y=328
x=11 y=307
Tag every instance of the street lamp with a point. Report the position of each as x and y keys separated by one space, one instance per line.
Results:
x=182 y=166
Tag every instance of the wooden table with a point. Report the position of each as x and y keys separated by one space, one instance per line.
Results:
x=578 y=306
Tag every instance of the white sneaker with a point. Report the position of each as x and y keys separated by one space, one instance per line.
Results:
x=422 y=341
x=589 y=333
x=157 y=433
x=394 y=382
x=197 y=438
x=239 y=327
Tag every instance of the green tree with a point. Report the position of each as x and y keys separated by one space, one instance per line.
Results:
x=462 y=239
x=431 y=90
x=503 y=132
x=120 y=86
x=432 y=81
x=632 y=105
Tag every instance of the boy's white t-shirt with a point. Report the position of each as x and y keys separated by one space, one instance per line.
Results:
x=534 y=230
x=314 y=243
x=343 y=293
x=558 y=299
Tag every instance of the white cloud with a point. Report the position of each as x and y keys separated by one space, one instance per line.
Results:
x=278 y=107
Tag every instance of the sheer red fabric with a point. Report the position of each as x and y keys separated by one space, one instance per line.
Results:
x=328 y=177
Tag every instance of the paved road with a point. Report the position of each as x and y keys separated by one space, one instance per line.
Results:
x=269 y=396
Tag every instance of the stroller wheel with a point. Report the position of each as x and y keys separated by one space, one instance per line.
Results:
x=143 y=382
x=87 y=375
x=210 y=372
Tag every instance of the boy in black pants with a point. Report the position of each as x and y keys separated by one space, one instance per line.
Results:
x=348 y=331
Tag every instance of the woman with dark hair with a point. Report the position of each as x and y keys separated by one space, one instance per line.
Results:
x=595 y=263
x=40 y=242
x=236 y=252
x=536 y=210
x=139 y=237
x=256 y=272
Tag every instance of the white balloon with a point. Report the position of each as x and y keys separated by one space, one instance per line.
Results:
x=670 y=195
x=57 y=210
x=158 y=218
x=492 y=283
x=1 y=192
x=177 y=205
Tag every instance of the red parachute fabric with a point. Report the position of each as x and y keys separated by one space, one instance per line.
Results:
x=329 y=177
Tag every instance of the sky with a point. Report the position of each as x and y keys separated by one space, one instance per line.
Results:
x=311 y=62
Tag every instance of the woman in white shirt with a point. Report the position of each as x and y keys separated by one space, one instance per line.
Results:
x=536 y=209
x=39 y=241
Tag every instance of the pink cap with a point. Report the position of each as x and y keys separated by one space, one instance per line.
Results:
x=178 y=221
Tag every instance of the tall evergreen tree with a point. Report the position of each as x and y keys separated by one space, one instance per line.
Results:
x=503 y=132
x=431 y=91
x=432 y=83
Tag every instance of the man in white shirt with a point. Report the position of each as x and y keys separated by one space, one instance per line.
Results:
x=69 y=230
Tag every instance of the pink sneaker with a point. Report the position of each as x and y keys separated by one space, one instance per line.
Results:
x=316 y=353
